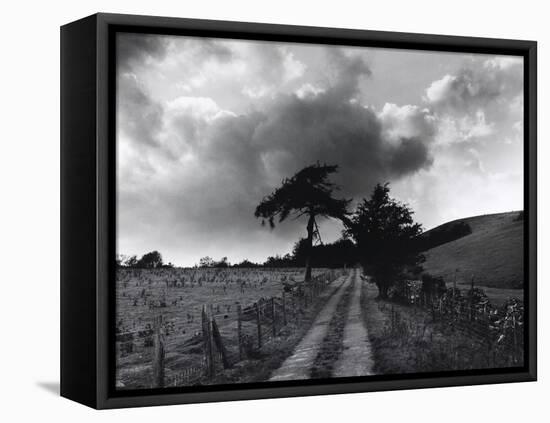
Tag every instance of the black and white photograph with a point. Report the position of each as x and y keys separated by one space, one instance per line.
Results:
x=293 y=211
x=245 y=211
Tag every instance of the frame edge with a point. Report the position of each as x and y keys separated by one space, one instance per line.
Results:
x=77 y=212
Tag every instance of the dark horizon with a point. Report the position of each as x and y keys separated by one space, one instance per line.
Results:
x=282 y=254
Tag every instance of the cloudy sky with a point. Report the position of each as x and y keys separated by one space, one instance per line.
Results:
x=207 y=127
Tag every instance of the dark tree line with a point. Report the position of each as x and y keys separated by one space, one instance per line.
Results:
x=210 y=262
x=443 y=234
x=340 y=253
x=337 y=254
x=152 y=260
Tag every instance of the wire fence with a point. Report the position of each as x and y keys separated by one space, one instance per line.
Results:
x=226 y=337
x=499 y=330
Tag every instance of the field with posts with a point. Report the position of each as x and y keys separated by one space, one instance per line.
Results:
x=183 y=326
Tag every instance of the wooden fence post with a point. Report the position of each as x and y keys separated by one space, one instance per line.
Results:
x=392 y=319
x=239 y=331
x=284 y=309
x=158 y=355
x=454 y=283
x=273 y=323
x=472 y=309
x=259 y=324
x=218 y=341
x=207 y=343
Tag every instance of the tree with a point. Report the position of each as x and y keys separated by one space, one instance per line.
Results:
x=308 y=193
x=223 y=263
x=280 y=261
x=150 y=260
x=206 y=262
x=384 y=232
x=120 y=260
x=246 y=264
x=131 y=262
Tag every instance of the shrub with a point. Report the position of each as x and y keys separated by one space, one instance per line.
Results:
x=432 y=286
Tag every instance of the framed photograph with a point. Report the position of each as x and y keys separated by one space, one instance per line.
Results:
x=255 y=211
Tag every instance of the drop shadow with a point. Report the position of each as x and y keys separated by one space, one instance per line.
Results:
x=51 y=387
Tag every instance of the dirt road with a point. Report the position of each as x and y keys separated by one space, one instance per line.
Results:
x=355 y=358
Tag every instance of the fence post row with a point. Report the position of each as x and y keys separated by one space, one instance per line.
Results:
x=212 y=338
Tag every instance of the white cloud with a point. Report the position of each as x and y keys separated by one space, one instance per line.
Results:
x=293 y=68
x=408 y=121
x=309 y=90
x=197 y=107
x=440 y=90
x=481 y=100
x=479 y=127
x=503 y=62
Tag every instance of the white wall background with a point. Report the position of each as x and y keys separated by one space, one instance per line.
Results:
x=29 y=178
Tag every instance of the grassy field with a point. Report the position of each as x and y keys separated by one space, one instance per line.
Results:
x=492 y=254
x=497 y=296
x=178 y=295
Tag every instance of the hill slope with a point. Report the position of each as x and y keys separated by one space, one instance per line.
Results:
x=492 y=254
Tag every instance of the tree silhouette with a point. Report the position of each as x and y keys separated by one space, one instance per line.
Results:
x=206 y=262
x=131 y=262
x=385 y=234
x=308 y=193
x=150 y=260
x=337 y=254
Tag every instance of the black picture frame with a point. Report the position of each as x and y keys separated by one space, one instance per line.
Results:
x=88 y=208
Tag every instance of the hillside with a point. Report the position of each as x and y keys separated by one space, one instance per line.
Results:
x=492 y=254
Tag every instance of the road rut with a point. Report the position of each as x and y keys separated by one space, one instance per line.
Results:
x=298 y=365
x=356 y=358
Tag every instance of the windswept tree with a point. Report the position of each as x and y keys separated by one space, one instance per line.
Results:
x=385 y=234
x=308 y=193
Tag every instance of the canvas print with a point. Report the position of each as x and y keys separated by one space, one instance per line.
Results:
x=290 y=212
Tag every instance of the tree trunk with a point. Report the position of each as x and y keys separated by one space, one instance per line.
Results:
x=309 y=246
x=382 y=290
